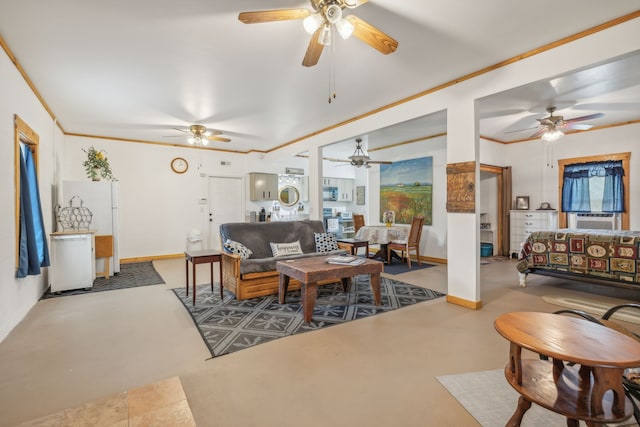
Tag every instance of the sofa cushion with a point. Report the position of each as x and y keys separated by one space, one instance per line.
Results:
x=284 y=249
x=237 y=248
x=325 y=242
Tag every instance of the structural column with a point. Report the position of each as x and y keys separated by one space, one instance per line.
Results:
x=463 y=218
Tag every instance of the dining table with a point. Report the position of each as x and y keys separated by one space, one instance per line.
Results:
x=383 y=235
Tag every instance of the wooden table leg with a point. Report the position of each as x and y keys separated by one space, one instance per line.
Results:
x=186 y=269
x=346 y=284
x=308 y=299
x=211 y=265
x=375 y=288
x=516 y=418
x=194 y=283
x=283 y=284
x=221 y=289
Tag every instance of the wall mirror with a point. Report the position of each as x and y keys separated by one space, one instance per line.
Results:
x=289 y=195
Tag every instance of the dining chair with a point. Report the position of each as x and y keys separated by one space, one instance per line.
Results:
x=412 y=242
x=358 y=221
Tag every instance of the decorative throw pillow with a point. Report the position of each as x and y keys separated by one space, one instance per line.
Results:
x=325 y=242
x=237 y=248
x=284 y=249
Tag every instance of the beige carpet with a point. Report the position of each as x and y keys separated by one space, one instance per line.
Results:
x=489 y=398
x=594 y=305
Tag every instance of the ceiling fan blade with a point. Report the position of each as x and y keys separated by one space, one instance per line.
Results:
x=314 y=50
x=272 y=15
x=521 y=130
x=577 y=126
x=372 y=36
x=332 y=159
x=589 y=117
x=217 y=138
x=381 y=162
x=181 y=130
x=539 y=132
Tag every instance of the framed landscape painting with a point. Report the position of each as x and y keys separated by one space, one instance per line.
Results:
x=406 y=189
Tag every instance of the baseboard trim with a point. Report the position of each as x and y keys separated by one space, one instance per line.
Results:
x=150 y=258
x=432 y=259
x=473 y=305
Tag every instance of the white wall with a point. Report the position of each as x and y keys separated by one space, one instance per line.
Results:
x=17 y=296
x=535 y=164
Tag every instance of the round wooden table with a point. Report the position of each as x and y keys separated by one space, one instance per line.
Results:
x=578 y=392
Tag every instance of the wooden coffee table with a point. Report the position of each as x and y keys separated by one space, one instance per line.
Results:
x=310 y=271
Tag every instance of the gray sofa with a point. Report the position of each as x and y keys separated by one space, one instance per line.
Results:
x=257 y=275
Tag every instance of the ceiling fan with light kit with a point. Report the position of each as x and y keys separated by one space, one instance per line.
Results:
x=200 y=135
x=550 y=128
x=359 y=158
x=325 y=17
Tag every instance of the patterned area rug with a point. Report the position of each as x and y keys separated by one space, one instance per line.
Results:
x=131 y=275
x=233 y=325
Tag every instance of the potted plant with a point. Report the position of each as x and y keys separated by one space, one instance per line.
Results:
x=97 y=165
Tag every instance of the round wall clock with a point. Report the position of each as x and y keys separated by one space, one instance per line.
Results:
x=179 y=165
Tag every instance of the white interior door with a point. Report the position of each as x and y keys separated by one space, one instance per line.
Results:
x=226 y=204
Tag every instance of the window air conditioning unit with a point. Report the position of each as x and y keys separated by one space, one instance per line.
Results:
x=598 y=221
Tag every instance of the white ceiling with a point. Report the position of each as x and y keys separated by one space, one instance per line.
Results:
x=138 y=69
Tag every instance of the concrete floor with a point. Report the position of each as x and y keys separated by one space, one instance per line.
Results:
x=377 y=371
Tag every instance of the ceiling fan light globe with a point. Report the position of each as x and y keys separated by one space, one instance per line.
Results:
x=312 y=22
x=191 y=140
x=325 y=37
x=552 y=135
x=345 y=28
x=333 y=13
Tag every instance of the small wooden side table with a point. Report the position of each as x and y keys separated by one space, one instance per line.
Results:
x=352 y=245
x=202 y=257
x=578 y=392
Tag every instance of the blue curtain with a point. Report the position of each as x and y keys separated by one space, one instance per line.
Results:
x=34 y=252
x=613 y=198
x=575 y=187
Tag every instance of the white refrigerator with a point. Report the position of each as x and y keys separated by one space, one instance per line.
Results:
x=102 y=199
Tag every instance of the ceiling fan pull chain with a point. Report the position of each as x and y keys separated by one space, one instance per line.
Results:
x=332 y=67
x=333 y=63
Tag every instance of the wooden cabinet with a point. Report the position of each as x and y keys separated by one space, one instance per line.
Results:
x=263 y=186
x=524 y=223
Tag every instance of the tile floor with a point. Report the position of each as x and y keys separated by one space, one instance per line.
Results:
x=159 y=404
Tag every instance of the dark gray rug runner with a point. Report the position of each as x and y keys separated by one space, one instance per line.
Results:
x=233 y=325
x=131 y=275
x=397 y=267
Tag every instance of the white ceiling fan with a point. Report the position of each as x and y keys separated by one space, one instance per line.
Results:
x=550 y=128
x=359 y=157
x=200 y=135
